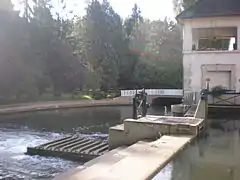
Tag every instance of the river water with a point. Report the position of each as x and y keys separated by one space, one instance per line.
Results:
x=18 y=131
x=215 y=156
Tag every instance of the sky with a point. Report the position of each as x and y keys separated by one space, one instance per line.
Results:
x=151 y=9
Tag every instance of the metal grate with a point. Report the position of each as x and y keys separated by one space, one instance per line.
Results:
x=73 y=147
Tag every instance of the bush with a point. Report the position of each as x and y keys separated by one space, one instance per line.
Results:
x=105 y=94
x=99 y=95
x=217 y=91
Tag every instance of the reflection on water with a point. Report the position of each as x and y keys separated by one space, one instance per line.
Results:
x=84 y=120
x=212 y=157
x=18 y=131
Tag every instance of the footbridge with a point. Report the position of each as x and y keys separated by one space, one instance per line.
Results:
x=162 y=96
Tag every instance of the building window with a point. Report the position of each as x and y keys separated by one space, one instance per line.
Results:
x=216 y=44
x=214 y=39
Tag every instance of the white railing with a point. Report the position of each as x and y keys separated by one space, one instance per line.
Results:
x=155 y=92
x=189 y=98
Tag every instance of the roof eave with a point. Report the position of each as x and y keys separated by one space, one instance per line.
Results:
x=206 y=16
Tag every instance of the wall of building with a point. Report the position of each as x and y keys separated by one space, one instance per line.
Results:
x=218 y=32
x=193 y=60
x=216 y=22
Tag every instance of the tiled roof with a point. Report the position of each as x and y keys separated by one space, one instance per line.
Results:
x=211 y=8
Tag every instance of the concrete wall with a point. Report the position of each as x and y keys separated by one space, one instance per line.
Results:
x=194 y=60
x=150 y=127
x=201 y=111
x=195 y=72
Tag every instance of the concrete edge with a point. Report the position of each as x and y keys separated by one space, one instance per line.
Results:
x=31 y=109
x=156 y=122
x=156 y=171
x=198 y=106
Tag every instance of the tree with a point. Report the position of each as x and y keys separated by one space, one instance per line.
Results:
x=180 y=5
x=103 y=38
x=130 y=57
x=133 y=21
x=49 y=39
x=17 y=76
x=44 y=51
x=162 y=55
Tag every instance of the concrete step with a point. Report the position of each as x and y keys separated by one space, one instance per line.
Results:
x=116 y=136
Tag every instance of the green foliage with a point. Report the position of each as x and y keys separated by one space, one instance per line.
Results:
x=97 y=95
x=103 y=32
x=130 y=57
x=133 y=22
x=45 y=56
x=161 y=57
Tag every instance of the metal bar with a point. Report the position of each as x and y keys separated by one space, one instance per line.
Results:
x=81 y=141
x=64 y=144
x=54 y=143
x=57 y=141
x=74 y=148
x=227 y=100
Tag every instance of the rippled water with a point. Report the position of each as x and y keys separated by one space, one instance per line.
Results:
x=18 y=131
x=14 y=164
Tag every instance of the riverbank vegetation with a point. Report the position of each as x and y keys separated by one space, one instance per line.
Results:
x=45 y=53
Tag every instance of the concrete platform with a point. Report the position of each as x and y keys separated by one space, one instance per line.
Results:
x=75 y=148
x=142 y=147
x=152 y=127
x=140 y=161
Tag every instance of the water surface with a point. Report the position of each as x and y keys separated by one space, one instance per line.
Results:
x=18 y=131
x=214 y=156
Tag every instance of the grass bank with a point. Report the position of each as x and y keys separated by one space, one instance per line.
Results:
x=80 y=95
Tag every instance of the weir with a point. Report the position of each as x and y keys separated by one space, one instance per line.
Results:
x=144 y=139
x=75 y=148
